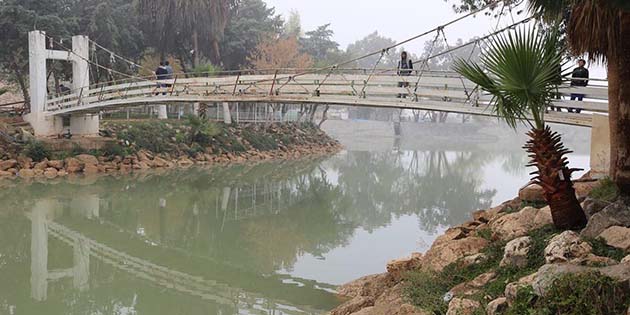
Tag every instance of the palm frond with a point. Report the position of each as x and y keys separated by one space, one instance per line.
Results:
x=521 y=70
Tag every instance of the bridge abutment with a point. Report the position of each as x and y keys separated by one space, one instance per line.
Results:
x=45 y=125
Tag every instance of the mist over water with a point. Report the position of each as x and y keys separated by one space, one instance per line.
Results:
x=252 y=239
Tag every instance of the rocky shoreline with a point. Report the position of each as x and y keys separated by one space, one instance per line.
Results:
x=312 y=143
x=487 y=265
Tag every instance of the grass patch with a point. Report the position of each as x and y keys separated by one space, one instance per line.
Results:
x=607 y=191
x=152 y=136
x=590 y=293
x=260 y=141
x=600 y=248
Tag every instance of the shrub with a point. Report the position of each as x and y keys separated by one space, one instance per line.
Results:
x=590 y=293
x=113 y=149
x=37 y=151
x=77 y=150
x=607 y=191
x=152 y=136
x=601 y=248
x=202 y=131
x=259 y=140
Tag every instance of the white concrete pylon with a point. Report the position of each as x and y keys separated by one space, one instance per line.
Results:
x=43 y=124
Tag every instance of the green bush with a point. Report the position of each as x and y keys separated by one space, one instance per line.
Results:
x=77 y=150
x=152 y=136
x=113 y=149
x=202 y=131
x=589 y=294
x=607 y=191
x=37 y=151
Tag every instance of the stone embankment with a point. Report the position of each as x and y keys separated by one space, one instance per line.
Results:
x=276 y=142
x=523 y=258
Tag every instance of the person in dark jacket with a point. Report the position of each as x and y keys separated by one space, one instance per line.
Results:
x=579 y=77
x=405 y=67
x=161 y=73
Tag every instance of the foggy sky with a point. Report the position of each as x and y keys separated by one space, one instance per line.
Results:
x=353 y=20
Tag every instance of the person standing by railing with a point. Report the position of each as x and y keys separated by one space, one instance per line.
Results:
x=579 y=78
x=405 y=67
x=161 y=74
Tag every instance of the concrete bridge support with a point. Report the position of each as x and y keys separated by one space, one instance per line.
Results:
x=45 y=125
x=600 y=146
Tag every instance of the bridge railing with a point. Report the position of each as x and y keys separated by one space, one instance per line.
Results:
x=342 y=87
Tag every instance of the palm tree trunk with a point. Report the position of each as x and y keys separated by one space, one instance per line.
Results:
x=619 y=110
x=554 y=176
x=197 y=53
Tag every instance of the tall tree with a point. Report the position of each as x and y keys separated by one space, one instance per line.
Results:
x=195 y=24
x=275 y=53
x=319 y=43
x=250 y=22
x=293 y=25
x=371 y=43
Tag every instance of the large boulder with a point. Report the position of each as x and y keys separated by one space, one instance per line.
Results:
x=398 y=267
x=516 y=252
x=566 y=247
x=73 y=165
x=459 y=306
x=617 y=236
x=26 y=173
x=87 y=159
x=442 y=255
x=532 y=193
x=372 y=285
x=51 y=173
x=353 y=306
x=616 y=214
x=497 y=306
x=513 y=225
x=547 y=274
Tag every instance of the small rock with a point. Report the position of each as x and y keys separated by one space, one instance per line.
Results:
x=516 y=252
x=160 y=162
x=5 y=174
x=583 y=189
x=56 y=164
x=354 y=305
x=532 y=193
x=592 y=206
x=474 y=286
x=543 y=217
x=397 y=268
x=511 y=289
x=626 y=260
x=185 y=162
x=7 y=164
x=566 y=247
x=617 y=236
x=43 y=165
x=615 y=214
x=459 y=306
x=24 y=162
x=473 y=259
x=497 y=306
x=450 y=235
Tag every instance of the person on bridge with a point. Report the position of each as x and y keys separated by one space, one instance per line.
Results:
x=169 y=72
x=405 y=67
x=580 y=77
x=161 y=73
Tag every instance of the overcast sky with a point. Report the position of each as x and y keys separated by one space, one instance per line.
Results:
x=399 y=20
x=353 y=20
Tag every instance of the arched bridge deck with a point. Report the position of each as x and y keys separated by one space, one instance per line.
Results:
x=423 y=90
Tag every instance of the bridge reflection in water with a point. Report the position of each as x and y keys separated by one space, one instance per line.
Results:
x=77 y=223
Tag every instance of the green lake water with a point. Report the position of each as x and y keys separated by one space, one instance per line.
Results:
x=270 y=238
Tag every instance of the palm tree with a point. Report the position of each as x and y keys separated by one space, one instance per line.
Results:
x=198 y=24
x=522 y=77
x=601 y=29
